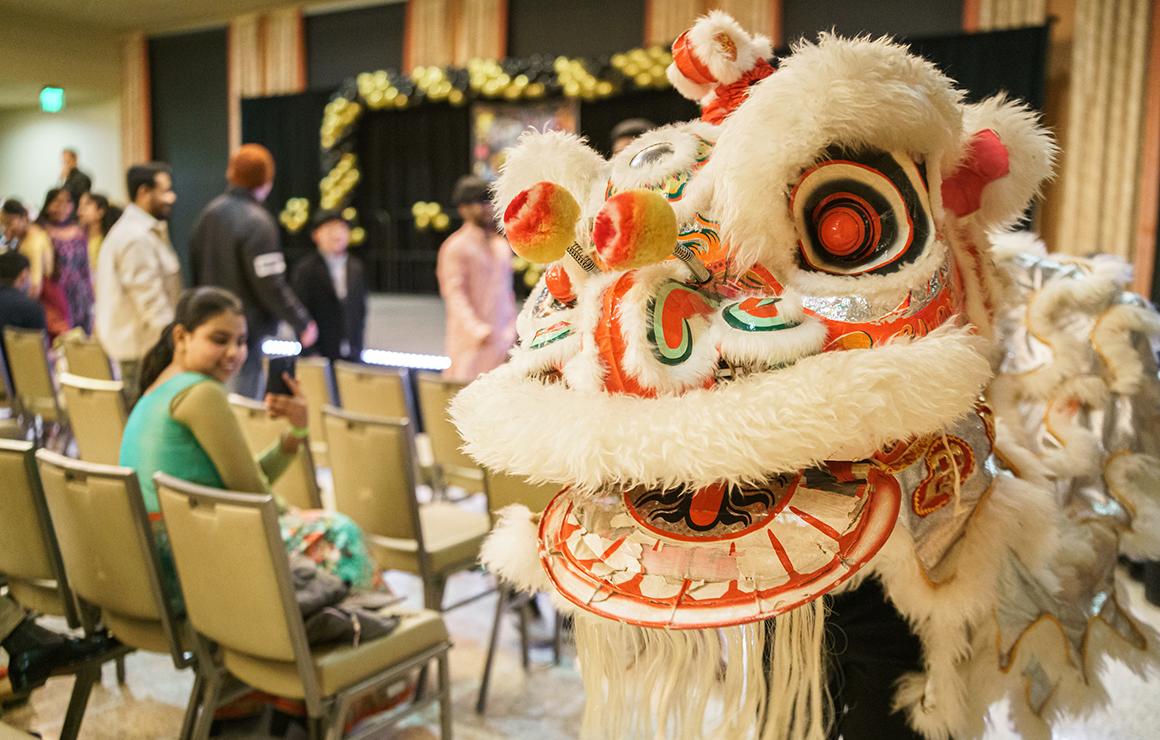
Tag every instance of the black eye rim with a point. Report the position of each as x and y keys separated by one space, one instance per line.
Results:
x=885 y=165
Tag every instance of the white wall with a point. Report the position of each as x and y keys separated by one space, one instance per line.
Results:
x=31 y=142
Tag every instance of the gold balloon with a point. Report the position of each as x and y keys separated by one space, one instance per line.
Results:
x=571 y=89
x=418 y=209
x=631 y=69
x=535 y=90
x=422 y=222
x=401 y=101
x=531 y=278
x=604 y=88
x=644 y=79
x=512 y=92
x=358 y=235
x=455 y=97
x=619 y=60
x=350 y=214
x=440 y=221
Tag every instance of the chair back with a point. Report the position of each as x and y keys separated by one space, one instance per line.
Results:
x=109 y=553
x=97 y=412
x=374 y=391
x=317 y=381
x=29 y=555
x=298 y=485
x=234 y=573
x=29 y=372
x=504 y=490
x=435 y=394
x=374 y=482
x=86 y=357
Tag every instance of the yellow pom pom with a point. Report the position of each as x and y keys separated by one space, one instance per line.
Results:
x=540 y=222
x=635 y=228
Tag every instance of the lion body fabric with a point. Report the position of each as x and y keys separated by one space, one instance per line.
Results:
x=829 y=363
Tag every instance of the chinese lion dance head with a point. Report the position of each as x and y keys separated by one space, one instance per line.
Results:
x=758 y=353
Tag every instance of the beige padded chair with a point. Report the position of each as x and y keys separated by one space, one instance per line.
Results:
x=97 y=411
x=453 y=466
x=30 y=560
x=373 y=391
x=86 y=357
x=111 y=559
x=317 y=381
x=298 y=485
x=374 y=484
x=504 y=490
x=32 y=384
x=253 y=617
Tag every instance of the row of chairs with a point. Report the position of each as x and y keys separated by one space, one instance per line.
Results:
x=431 y=540
x=76 y=542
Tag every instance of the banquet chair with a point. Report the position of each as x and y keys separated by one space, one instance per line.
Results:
x=298 y=485
x=453 y=466
x=317 y=380
x=97 y=412
x=253 y=617
x=111 y=558
x=373 y=391
x=374 y=484
x=30 y=559
x=505 y=490
x=86 y=357
x=34 y=391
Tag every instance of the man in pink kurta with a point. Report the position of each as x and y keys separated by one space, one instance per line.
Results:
x=475 y=279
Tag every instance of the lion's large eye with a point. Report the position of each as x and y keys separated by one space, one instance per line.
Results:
x=858 y=213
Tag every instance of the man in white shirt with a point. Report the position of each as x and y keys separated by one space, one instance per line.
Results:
x=138 y=273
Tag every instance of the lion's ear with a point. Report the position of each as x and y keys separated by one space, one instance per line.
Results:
x=1006 y=157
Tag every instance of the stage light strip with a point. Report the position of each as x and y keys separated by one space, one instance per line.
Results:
x=415 y=360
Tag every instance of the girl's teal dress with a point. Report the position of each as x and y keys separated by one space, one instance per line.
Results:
x=154 y=441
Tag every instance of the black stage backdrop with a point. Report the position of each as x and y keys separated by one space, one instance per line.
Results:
x=417 y=154
x=187 y=74
x=288 y=126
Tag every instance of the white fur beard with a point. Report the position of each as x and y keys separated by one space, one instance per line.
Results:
x=642 y=682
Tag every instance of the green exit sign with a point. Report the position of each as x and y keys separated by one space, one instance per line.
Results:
x=52 y=99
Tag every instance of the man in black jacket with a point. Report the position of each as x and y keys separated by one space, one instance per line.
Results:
x=332 y=286
x=236 y=246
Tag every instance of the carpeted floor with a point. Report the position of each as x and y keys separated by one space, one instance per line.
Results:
x=541 y=704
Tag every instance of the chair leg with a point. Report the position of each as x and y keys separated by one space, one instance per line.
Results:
x=485 y=682
x=211 y=694
x=120 y=670
x=82 y=688
x=195 y=697
x=444 y=697
x=524 y=653
x=336 y=719
x=557 y=637
x=433 y=588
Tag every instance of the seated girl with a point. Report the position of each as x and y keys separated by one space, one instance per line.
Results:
x=183 y=426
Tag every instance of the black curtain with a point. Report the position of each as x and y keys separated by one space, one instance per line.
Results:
x=659 y=106
x=984 y=64
x=407 y=156
x=288 y=126
x=187 y=74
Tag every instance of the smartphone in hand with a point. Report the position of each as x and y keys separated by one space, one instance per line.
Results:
x=275 y=368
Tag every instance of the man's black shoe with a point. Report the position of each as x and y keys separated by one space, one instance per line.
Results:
x=32 y=667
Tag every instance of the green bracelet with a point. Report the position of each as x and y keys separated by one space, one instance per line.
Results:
x=299 y=432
